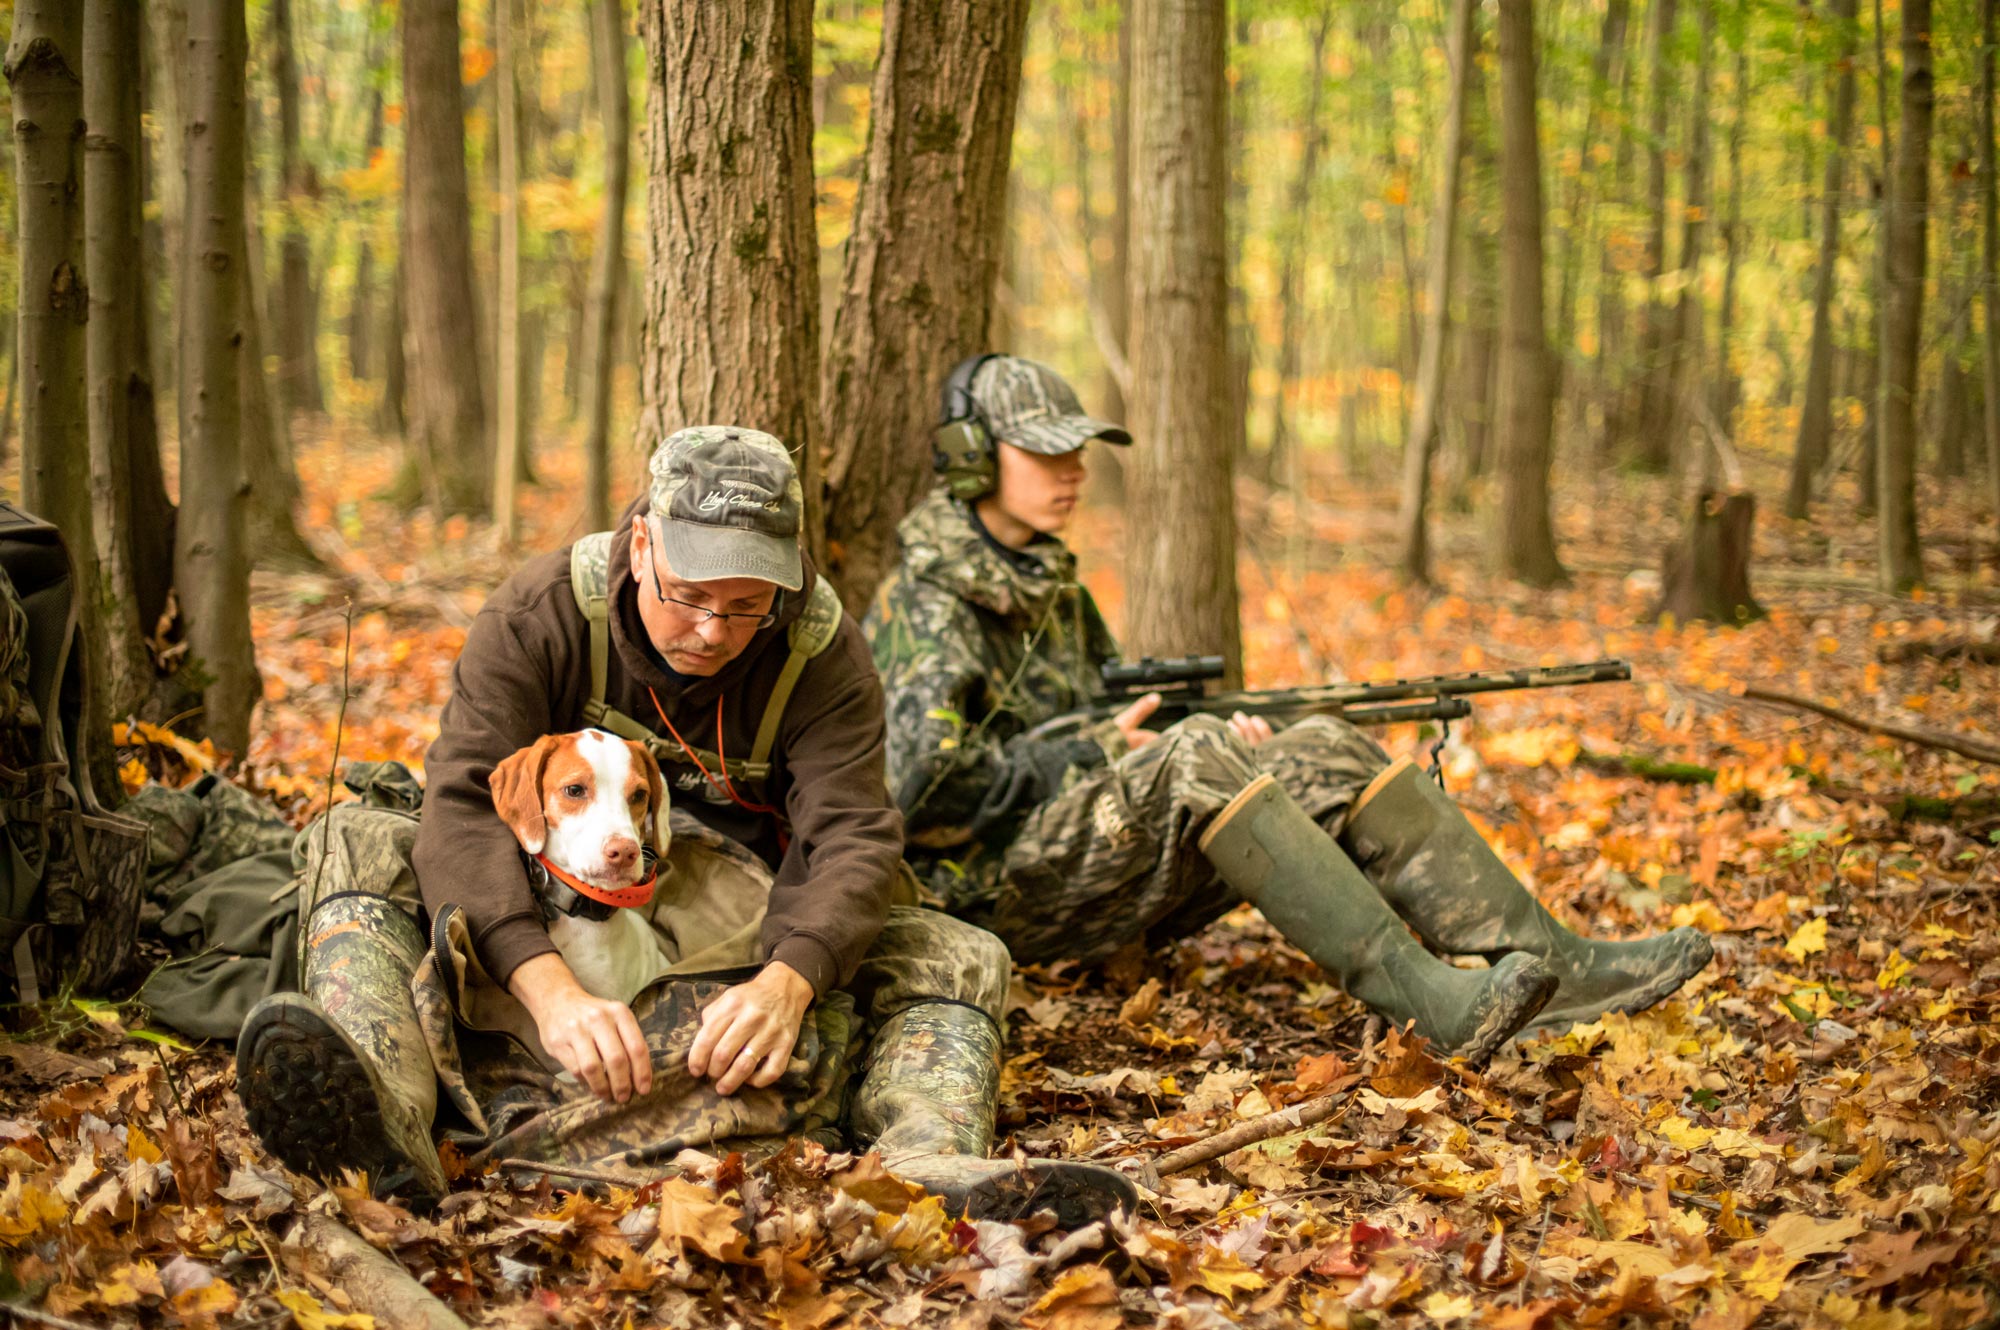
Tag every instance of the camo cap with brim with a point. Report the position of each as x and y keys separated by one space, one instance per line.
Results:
x=1028 y=405
x=727 y=503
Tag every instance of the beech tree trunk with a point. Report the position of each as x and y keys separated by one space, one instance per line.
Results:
x=1726 y=386
x=731 y=326
x=120 y=390
x=1415 y=536
x=1682 y=348
x=607 y=258
x=361 y=301
x=1605 y=71
x=1181 y=564
x=1610 y=368
x=1107 y=469
x=507 y=436
x=1902 y=564
x=167 y=21
x=273 y=497
x=44 y=70
x=450 y=456
x=1655 y=389
x=1478 y=351
x=1815 y=438
x=1989 y=254
x=211 y=565
x=298 y=355
x=1526 y=533
x=915 y=294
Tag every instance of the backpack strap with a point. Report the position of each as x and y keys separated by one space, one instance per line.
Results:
x=810 y=634
x=589 y=582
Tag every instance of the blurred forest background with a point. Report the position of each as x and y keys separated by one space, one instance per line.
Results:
x=1730 y=261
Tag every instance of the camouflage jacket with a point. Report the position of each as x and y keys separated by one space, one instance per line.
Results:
x=977 y=644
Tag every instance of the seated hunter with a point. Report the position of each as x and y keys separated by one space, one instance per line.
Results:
x=695 y=640
x=1072 y=846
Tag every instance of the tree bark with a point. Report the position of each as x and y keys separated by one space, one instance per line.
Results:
x=1707 y=574
x=915 y=295
x=1479 y=341
x=450 y=456
x=44 y=70
x=361 y=301
x=167 y=22
x=1684 y=329
x=1989 y=254
x=272 y=533
x=1292 y=252
x=211 y=565
x=1902 y=564
x=1614 y=333
x=1815 y=435
x=1415 y=537
x=507 y=440
x=607 y=257
x=114 y=346
x=1726 y=385
x=1181 y=563
x=1655 y=391
x=1108 y=472
x=1605 y=67
x=298 y=354
x=731 y=327
x=1526 y=534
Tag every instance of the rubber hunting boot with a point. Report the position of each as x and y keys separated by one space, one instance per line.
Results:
x=1439 y=873
x=1267 y=847
x=927 y=1102
x=339 y=1076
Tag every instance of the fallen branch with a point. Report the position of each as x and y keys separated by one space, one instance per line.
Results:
x=375 y=1283
x=1964 y=745
x=1647 y=768
x=1283 y=1122
x=1901 y=805
x=1939 y=648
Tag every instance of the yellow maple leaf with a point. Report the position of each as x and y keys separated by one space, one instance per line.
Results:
x=1893 y=972
x=1443 y=1306
x=1678 y=1132
x=692 y=1216
x=1224 y=1273
x=1810 y=938
x=26 y=1210
x=307 y=1314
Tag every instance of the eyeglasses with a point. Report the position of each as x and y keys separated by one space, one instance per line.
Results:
x=701 y=614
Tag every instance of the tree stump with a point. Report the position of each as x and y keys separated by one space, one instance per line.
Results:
x=1707 y=574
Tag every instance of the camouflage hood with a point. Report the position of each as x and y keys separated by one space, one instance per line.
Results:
x=943 y=544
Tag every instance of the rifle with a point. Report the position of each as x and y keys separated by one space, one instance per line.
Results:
x=1182 y=683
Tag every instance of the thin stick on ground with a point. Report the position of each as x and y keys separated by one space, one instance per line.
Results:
x=1965 y=745
x=1283 y=1122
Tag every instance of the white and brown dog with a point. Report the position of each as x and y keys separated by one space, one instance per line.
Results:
x=590 y=812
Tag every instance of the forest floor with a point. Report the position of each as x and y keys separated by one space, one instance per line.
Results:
x=1808 y=1135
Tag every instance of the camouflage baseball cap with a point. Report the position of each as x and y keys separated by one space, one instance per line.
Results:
x=1028 y=405
x=728 y=504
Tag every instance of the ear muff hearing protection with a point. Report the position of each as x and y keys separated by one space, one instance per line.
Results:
x=962 y=448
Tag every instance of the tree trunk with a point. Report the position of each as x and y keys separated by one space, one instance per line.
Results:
x=1605 y=69
x=1609 y=369
x=915 y=296
x=731 y=330
x=450 y=455
x=1107 y=470
x=272 y=533
x=1726 y=386
x=167 y=21
x=1868 y=472
x=1814 y=443
x=392 y=416
x=211 y=564
x=361 y=301
x=44 y=68
x=1655 y=386
x=607 y=258
x=1684 y=331
x=114 y=345
x=1989 y=254
x=1181 y=564
x=1415 y=538
x=1526 y=534
x=1902 y=557
x=1292 y=250
x=1479 y=341
x=298 y=353
x=1240 y=82
x=1707 y=574
x=507 y=441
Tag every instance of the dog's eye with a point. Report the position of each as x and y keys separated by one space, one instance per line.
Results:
x=638 y=797
x=574 y=791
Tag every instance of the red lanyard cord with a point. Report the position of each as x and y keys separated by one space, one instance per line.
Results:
x=722 y=759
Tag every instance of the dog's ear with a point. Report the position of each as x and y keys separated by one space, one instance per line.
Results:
x=517 y=792
x=656 y=795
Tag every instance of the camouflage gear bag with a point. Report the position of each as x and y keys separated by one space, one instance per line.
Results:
x=70 y=872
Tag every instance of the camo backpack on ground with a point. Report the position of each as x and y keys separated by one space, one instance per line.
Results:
x=71 y=873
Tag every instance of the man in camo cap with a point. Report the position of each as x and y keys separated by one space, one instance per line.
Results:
x=1072 y=846
x=700 y=629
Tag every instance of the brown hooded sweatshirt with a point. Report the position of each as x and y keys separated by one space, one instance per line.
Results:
x=525 y=672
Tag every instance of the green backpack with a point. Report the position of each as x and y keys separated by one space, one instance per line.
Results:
x=71 y=873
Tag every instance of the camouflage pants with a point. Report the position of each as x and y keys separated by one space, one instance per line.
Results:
x=1113 y=859
x=517 y=1105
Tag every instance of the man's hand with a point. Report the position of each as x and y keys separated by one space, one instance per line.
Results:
x=747 y=1033
x=1252 y=730
x=1131 y=722
x=597 y=1041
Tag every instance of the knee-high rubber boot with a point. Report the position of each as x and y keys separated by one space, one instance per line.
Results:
x=1267 y=847
x=927 y=1102
x=339 y=1076
x=1439 y=873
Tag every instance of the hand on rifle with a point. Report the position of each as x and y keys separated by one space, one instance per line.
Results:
x=1252 y=730
x=1131 y=722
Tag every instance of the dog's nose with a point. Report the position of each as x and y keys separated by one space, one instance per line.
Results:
x=621 y=852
